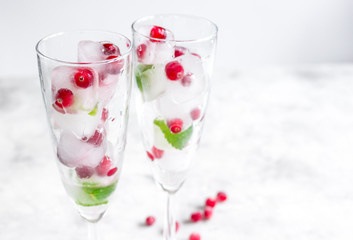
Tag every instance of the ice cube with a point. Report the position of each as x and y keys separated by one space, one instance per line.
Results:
x=80 y=124
x=85 y=97
x=107 y=89
x=155 y=52
x=193 y=84
x=90 y=51
x=72 y=151
x=151 y=80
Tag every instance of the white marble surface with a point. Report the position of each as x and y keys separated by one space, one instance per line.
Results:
x=278 y=141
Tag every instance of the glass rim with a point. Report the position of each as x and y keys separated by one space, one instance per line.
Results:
x=53 y=35
x=208 y=37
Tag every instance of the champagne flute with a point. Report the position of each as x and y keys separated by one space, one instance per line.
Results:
x=86 y=83
x=173 y=61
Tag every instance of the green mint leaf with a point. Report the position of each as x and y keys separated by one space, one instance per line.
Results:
x=92 y=195
x=177 y=140
x=138 y=74
x=94 y=111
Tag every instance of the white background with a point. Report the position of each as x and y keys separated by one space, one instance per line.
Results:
x=251 y=32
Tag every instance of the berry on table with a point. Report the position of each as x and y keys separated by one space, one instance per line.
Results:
x=208 y=212
x=195 y=236
x=195 y=217
x=84 y=78
x=174 y=70
x=211 y=202
x=175 y=125
x=221 y=196
x=150 y=220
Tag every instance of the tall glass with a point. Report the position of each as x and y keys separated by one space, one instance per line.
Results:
x=86 y=83
x=173 y=61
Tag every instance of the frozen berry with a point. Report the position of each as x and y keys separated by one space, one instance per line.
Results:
x=211 y=202
x=84 y=78
x=157 y=153
x=187 y=79
x=116 y=66
x=150 y=220
x=174 y=70
x=179 y=51
x=64 y=98
x=195 y=217
x=112 y=171
x=103 y=167
x=105 y=114
x=197 y=55
x=195 y=113
x=221 y=196
x=195 y=236
x=158 y=32
x=150 y=155
x=140 y=51
x=177 y=225
x=96 y=139
x=208 y=212
x=175 y=125
x=110 y=49
x=84 y=172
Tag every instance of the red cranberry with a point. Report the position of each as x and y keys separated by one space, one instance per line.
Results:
x=197 y=55
x=116 y=66
x=110 y=49
x=84 y=172
x=105 y=114
x=157 y=153
x=96 y=139
x=211 y=202
x=177 y=225
x=179 y=51
x=195 y=236
x=103 y=167
x=150 y=155
x=175 y=125
x=158 y=32
x=187 y=79
x=221 y=196
x=112 y=171
x=64 y=98
x=195 y=217
x=208 y=212
x=174 y=70
x=150 y=220
x=84 y=78
x=195 y=113
x=140 y=51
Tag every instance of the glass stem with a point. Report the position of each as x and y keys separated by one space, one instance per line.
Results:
x=169 y=223
x=92 y=231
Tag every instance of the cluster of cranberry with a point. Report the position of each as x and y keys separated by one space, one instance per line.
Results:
x=84 y=77
x=197 y=216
